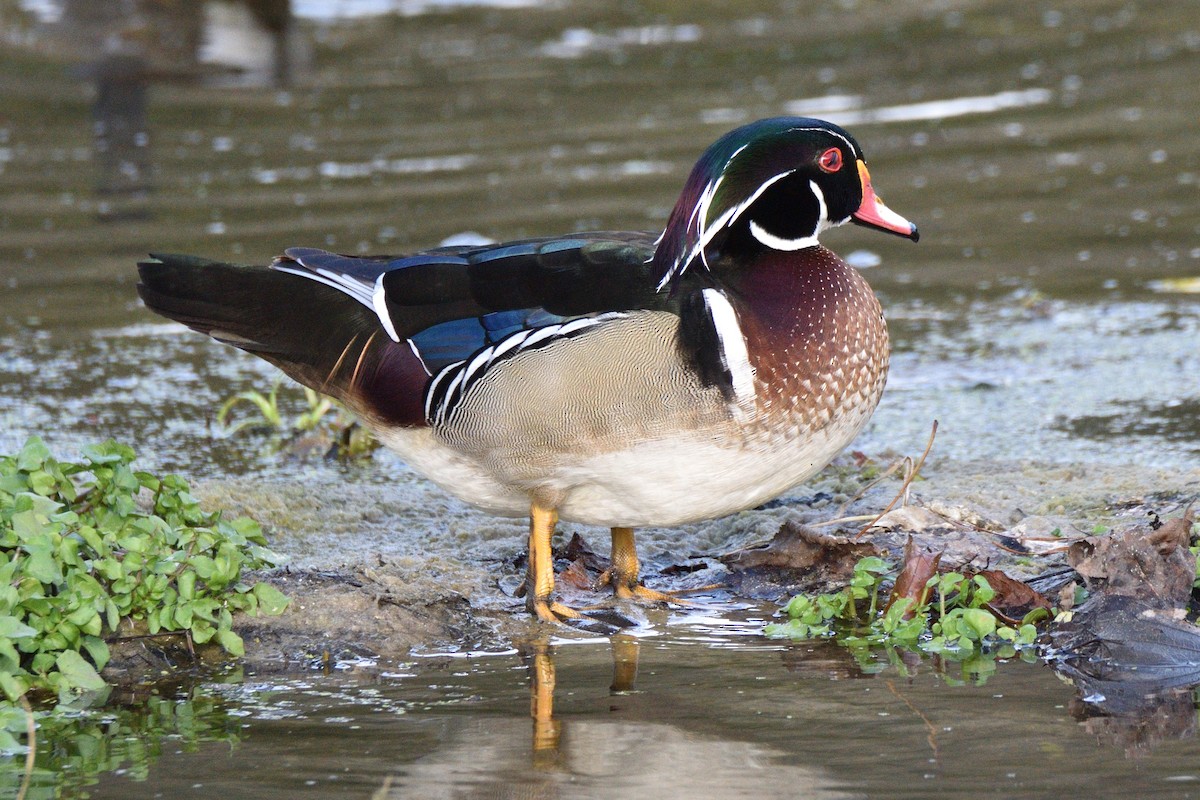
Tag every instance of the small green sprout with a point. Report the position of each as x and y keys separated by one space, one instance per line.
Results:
x=320 y=415
x=955 y=621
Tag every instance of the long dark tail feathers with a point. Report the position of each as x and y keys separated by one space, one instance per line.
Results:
x=319 y=336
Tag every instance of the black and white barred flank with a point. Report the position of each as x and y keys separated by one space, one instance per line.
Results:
x=451 y=384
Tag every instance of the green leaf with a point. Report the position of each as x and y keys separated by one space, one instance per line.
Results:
x=202 y=631
x=42 y=565
x=97 y=648
x=78 y=672
x=78 y=556
x=13 y=628
x=43 y=482
x=271 y=601
x=204 y=566
x=29 y=524
x=10 y=659
x=108 y=452
x=13 y=685
x=82 y=617
x=231 y=642
x=978 y=622
x=249 y=529
x=33 y=455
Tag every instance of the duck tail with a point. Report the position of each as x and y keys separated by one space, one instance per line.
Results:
x=317 y=335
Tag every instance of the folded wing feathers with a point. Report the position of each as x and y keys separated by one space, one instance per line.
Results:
x=363 y=280
x=452 y=383
x=360 y=278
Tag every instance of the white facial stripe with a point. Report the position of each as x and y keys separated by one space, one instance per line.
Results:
x=849 y=145
x=779 y=243
x=768 y=183
x=734 y=354
x=705 y=231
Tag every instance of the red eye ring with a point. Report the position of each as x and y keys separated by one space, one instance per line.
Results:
x=830 y=160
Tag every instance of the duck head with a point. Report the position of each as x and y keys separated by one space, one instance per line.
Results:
x=777 y=184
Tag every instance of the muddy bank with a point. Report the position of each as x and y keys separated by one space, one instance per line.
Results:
x=380 y=570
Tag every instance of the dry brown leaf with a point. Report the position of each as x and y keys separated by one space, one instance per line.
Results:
x=798 y=558
x=911 y=583
x=1066 y=596
x=579 y=550
x=1155 y=567
x=912 y=519
x=1014 y=599
x=576 y=575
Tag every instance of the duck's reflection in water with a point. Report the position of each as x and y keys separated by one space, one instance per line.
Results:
x=580 y=753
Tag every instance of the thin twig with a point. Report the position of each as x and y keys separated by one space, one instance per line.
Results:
x=31 y=728
x=916 y=470
x=840 y=520
x=1048 y=551
x=159 y=635
x=384 y=790
x=895 y=465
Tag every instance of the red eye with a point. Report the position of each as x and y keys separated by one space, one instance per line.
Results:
x=830 y=160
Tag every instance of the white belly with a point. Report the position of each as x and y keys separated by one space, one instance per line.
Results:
x=652 y=483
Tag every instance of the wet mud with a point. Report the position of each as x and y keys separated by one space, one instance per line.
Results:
x=380 y=570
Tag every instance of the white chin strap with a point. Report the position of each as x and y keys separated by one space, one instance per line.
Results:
x=774 y=242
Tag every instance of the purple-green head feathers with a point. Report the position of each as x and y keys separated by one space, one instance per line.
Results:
x=776 y=183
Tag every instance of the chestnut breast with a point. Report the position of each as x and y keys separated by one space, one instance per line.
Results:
x=816 y=338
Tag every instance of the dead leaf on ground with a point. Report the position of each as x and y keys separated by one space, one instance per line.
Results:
x=579 y=550
x=911 y=583
x=576 y=575
x=1155 y=567
x=1118 y=639
x=967 y=516
x=1014 y=599
x=1066 y=596
x=797 y=559
x=1174 y=534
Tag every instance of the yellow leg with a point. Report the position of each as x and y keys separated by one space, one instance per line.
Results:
x=625 y=570
x=539 y=580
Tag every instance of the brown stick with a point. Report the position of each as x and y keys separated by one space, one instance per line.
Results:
x=904 y=486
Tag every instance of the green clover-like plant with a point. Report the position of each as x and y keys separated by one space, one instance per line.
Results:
x=91 y=549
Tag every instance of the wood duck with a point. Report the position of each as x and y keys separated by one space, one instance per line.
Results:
x=615 y=379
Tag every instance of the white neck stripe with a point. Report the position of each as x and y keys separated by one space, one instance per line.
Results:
x=734 y=354
x=774 y=242
x=778 y=243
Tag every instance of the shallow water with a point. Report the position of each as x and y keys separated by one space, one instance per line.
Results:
x=1048 y=154
x=705 y=708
